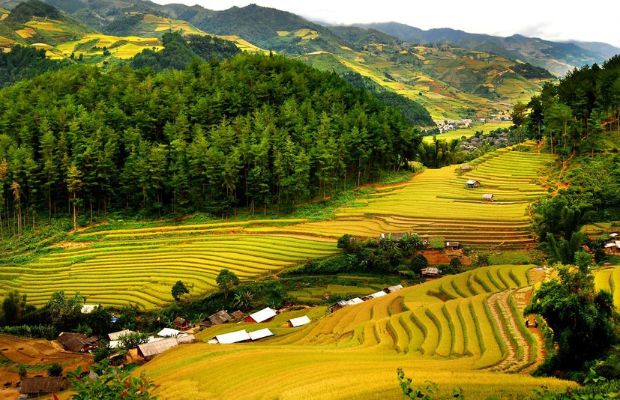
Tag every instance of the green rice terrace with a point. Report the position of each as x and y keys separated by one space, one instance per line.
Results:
x=139 y=265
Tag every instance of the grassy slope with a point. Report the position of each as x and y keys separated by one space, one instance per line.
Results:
x=142 y=262
x=354 y=352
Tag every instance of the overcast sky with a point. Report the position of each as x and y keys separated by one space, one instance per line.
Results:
x=589 y=20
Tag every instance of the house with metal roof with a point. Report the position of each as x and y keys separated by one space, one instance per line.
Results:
x=300 y=321
x=149 y=350
x=263 y=315
x=260 y=334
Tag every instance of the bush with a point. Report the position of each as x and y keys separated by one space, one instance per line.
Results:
x=55 y=370
x=418 y=262
x=34 y=331
x=111 y=384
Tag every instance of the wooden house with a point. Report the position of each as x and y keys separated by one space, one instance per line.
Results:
x=42 y=386
x=220 y=317
x=150 y=350
x=181 y=324
x=77 y=342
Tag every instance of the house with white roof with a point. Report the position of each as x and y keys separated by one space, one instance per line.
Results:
x=295 y=322
x=233 y=337
x=260 y=334
x=168 y=332
x=261 y=316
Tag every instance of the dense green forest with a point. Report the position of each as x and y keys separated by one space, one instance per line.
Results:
x=578 y=118
x=24 y=63
x=251 y=131
x=570 y=114
x=180 y=51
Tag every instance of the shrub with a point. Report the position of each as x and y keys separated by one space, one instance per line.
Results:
x=111 y=384
x=55 y=370
x=418 y=262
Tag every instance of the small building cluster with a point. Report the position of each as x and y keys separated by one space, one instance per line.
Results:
x=265 y=315
x=358 y=300
x=612 y=247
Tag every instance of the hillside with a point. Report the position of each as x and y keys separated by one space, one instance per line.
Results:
x=458 y=339
x=557 y=57
x=33 y=22
x=483 y=84
x=434 y=203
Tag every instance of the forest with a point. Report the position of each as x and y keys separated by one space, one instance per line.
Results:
x=571 y=114
x=252 y=131
x=578 y=118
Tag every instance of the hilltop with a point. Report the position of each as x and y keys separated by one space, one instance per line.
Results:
x=484 y=84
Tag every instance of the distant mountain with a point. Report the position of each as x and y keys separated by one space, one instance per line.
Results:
x=450 y=81
x=33 y=21
x=557 y=57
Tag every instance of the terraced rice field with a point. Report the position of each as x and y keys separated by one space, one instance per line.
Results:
x=608 y=279
x=437 y=203
x=127 y=265
x=459 y=331
x=121 y=269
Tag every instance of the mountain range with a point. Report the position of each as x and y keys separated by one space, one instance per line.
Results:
x=453 y=74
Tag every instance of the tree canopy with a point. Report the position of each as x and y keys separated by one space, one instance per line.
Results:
x=252 y=131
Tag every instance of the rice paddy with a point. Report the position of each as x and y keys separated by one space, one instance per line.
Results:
x=608 y=279
x=455 y=339
x=123 y=264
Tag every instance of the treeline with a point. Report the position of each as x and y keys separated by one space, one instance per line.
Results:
x=571 y=115
x=253 y=131
x=180 y=51
x=24 y=63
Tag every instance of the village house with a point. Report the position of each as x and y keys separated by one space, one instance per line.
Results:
x=452 y=245
x=264 y=315
x=41 y=386
x=237 y=316
x=260 y=334
x=488 y=196
x=612 y=248
x=181 y=323
x=168 y=332
x=77 y=342
x=118 y=335
x=466 y=168
x=392 y=289
x=295 y=322
x=220 y=317
x=232 y=337
x=185 y=338
x=430 y=272
x=150 y=350
x=472 y=184
x=375 y=295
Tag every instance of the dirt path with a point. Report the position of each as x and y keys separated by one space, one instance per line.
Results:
x=37 y=355
x=522 y=298
x=517 y=346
